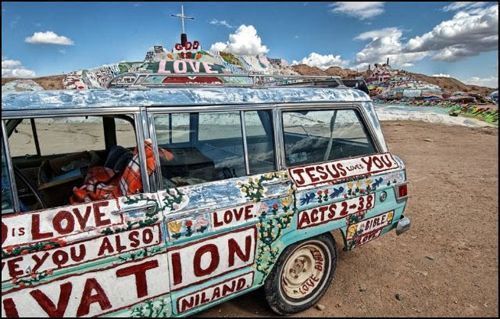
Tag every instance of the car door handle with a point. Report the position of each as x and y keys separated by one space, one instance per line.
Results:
x=128 y=210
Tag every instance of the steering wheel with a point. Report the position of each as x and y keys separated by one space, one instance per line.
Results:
x=33 y=189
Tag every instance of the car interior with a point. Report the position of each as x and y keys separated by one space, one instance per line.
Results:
x=198 y=161
x=45 y=181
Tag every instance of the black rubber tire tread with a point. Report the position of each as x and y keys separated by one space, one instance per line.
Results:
x=271 y=286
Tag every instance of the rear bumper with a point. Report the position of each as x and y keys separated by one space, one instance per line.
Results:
x=403 y=225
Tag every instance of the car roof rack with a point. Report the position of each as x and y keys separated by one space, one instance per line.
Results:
x=155 y=80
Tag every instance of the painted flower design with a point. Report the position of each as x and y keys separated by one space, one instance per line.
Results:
x=390 y=215
x=188 y=223
x=286 y=201
x=174 y=227
x=264 y=207
x=201 y=221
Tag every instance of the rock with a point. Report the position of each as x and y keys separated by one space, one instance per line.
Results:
x=320 y=307
x=423 y=273
x=429 y=257
x=338 y=305
x=428 y=140
x=362 y=289
x=455 y=301
x=398 y=297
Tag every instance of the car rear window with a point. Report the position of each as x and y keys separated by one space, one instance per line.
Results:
x=324 y=135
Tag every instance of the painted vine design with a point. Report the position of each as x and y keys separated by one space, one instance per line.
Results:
x=254 y=190
x=270 y=226
x=23 y=250
x=172 y=199
x=145 y=252
x=150 y=310
x=34 y=278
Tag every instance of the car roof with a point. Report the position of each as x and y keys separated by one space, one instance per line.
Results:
x=127 y=97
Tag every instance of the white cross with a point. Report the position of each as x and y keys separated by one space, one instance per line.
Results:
x=182 y=17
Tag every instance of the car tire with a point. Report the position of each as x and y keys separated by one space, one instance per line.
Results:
x=302 y=275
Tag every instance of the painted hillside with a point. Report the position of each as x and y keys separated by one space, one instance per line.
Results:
x=189 y=57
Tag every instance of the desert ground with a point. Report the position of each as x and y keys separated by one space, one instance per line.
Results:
x=447 y=263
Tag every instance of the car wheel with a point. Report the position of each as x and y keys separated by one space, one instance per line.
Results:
x=301 y=275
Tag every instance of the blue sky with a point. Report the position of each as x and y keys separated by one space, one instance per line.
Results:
x=451 y=38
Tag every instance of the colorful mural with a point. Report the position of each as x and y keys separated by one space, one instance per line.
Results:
x=187 y=57
x=78 y=260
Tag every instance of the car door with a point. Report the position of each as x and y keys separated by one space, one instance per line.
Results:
x=339 y=173
x=225 y=205
x=94 y=258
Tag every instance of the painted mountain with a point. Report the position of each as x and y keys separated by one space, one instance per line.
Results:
x=189 y=57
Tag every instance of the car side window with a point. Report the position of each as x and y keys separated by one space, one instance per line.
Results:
x=125 y=133
x=324 y=135
x=260 y=141
x=214 y=150
x=87 y=130
x=6 y=186
x=73 y=164
x=23 y=137
x=173 y=128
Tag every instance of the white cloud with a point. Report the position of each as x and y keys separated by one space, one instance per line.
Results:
x=217 y=47
x=14 y=68
x=385 y=43
x=48 y=37
x=222 y=23
x=360 y=10
x=245 y=41
x=322 y=61
x=491 y=81
x=458 y=5
x=442 y=75
x=468 y=33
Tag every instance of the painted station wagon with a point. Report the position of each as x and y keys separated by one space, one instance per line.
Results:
x=164 y=202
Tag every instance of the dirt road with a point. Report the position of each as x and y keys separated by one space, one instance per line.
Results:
x=447 y=264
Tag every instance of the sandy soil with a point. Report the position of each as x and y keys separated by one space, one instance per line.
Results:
x=447 y=264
